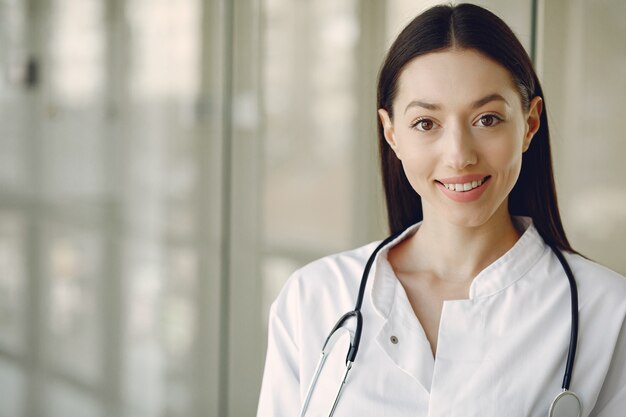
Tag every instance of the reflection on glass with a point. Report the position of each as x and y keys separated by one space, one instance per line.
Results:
x=161 y=328
x=179 y=313
x=165 y=59
x=275 y=271
x=144 y=382
x=70 y=149
x=13 y=387
x=12 y=281
x=109 y=162
x=310 y=104
x=160 y=261
x=585 y=92
x=179 y=328
x=77 y=50
x=14 y=114
x=74 y=270
x=63 y=400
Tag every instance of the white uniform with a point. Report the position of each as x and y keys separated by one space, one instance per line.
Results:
x=501 y=352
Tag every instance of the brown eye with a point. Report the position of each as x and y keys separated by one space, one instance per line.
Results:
x=489 y=120
x=424 y=125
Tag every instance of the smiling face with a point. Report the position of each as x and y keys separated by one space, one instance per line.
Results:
x=459 y=129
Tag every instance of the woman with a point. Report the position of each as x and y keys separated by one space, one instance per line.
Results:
x=467 y=308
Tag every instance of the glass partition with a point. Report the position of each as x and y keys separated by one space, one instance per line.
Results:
x=582 y=58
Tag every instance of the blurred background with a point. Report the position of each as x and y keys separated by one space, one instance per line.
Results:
x=166 y=164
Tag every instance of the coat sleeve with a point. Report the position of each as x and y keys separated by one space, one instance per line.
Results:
x=612 y=399
x=280 y=390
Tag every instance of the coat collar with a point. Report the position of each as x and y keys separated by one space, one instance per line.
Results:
x=500 y=274
x=391 y=303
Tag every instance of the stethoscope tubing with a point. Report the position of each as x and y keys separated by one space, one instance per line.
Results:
x=354 y=348
x=573 y=342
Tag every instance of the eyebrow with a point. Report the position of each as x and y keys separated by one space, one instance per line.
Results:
x=478 y=103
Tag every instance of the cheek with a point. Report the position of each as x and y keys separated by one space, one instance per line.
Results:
x=508 y=161
x=505 y=152
x=507 y=157
x=414 y=158
x=416 y=171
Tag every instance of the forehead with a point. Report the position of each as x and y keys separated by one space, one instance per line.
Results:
x=454 y=77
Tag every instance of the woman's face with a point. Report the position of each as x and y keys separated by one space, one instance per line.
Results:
x=459 y=130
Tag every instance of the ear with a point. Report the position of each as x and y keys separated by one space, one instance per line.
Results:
x=533 y=120
x=388 y=130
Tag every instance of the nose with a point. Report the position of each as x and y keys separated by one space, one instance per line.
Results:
x=458 y=148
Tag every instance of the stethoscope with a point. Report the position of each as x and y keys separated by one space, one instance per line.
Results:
x=565 y=404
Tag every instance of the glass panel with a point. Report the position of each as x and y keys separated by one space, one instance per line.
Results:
x=179 y=329
x=63 y=400
x=73 y=163
x=162 y=180
x=14 y=104
x=165 y=59
x=13 y=143
x=76 y=57
x=310 y=105
x=160 y=263
x=275 y=270
x=144 y=356
x=161 y=286
x=74 y=273
x=13 y=386
x=72 y=147
x=12 y=281
x=160 y=331
x=582 y=48
x=112 y=139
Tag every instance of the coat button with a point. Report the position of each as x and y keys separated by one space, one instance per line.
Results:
x=394 y=340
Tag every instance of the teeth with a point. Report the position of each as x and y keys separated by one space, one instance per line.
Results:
x=464 y=187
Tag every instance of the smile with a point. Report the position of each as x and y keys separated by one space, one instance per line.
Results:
x=464 y=189
x=468 y=186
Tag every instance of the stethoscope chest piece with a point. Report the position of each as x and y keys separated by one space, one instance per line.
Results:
x=566 y=404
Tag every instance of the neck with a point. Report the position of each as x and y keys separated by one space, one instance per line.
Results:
x=457 y=253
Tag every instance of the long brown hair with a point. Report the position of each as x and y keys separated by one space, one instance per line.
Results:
x=472 y=27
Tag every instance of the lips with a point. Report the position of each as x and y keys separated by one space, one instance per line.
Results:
x=464 y=189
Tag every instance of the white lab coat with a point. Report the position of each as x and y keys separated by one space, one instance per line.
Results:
x=501 y=352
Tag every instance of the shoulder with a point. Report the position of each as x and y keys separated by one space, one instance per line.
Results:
x=599 y=276
x=598 y=284
x=318 y=294
x=326 y=279
x=335 y=266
